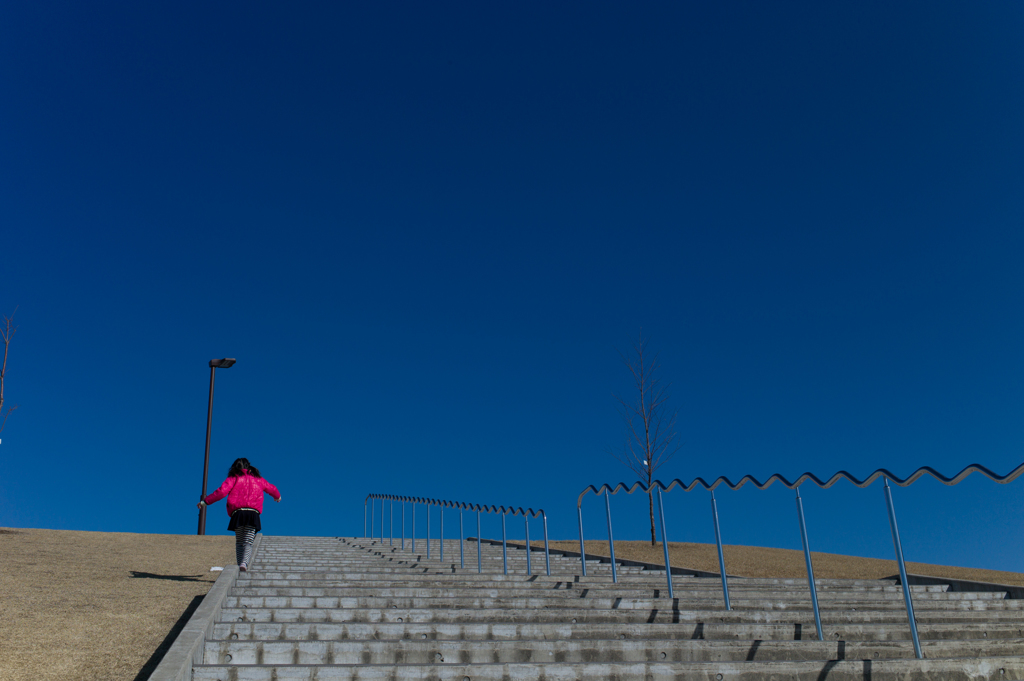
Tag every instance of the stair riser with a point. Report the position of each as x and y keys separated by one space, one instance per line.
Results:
x=848 y=670
x=360 y=588
x=579 y=652
x=341 y=573
x=895 y=631
x=530 y=604
x=606 y=594
x=372 y=615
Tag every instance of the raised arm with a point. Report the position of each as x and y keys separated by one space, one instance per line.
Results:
x=271 y=490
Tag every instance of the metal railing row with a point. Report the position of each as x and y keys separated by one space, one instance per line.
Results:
x=657 y=487
x=461 y=507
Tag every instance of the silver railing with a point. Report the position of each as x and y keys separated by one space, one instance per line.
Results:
x=657 y=486
x=461 y=507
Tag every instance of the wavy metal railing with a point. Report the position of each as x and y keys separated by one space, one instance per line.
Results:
x=824 y=484
x=461 y=506
x=657 y=486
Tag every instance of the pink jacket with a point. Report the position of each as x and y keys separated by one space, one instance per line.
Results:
x=244 y=491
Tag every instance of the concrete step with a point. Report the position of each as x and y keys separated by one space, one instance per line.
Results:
x=494 y=562
x=425 y=567
x=575 y=616
x=470 y=552
x=340 y=573
x=623 y=589
x=794 y=629
x=420 y=553
x=683 y=593
x=261 y=577
x=835 y=670
x=593 y=650
x=782 y=602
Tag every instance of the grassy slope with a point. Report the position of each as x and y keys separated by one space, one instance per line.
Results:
x=96 y=605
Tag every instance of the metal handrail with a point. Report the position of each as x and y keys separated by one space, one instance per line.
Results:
x=442 y=504
x=658 y=486
x=824 y=484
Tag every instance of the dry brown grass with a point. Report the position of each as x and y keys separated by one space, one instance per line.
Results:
x=755 y=561
x=97 y=605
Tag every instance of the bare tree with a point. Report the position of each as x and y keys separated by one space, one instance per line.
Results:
x=650 y=428
x=6 y=333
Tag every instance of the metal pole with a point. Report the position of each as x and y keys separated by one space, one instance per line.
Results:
x=364 y=518
x=664 y=544
x=462 y=545
x=547 y=556
x=206 y=457
x=392 y=521
x=382 y=521
x=504 y=547
x=903 y=570
x=428 y=528
x=412 y=512
x=403 y=526
x=372 y=502
x=440 y=510
x=479 y=541
x=611 y=542
x=810 y=568
x=721 y=556
x=529 y=565
x=583 y=551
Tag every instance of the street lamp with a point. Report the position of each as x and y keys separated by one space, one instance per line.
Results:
x=215 y=364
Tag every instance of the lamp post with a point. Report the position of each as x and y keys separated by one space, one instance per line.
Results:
x=215 y=364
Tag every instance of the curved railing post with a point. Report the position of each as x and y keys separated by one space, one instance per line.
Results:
x=611 y=541
x=504 y=545
x=403 y=526
x=903 y=570
x=382 y=522
x=427 y=506
x=721 y=556
x=547 y=556
x=372 y=504
x=810 y=567
x=440 y=510
x=412 y=512
x=462 y=544
x=391 y=520
x=664 y=544
x=529 y=550
x=479 y=541
x=364 y=518
x=583 y=550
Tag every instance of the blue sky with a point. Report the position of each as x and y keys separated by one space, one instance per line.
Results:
x=424 y=229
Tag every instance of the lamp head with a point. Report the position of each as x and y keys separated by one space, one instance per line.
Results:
x=222 y=363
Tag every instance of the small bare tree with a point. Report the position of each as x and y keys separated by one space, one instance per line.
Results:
x=650 y=428
x=6 y=332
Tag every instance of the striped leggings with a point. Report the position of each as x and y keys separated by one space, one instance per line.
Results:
x=244 y=537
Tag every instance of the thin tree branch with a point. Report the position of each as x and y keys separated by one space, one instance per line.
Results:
x=650 y=432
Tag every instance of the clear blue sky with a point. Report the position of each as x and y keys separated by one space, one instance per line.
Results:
x=424 y=229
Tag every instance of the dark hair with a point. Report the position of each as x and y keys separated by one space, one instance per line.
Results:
x=240 y=465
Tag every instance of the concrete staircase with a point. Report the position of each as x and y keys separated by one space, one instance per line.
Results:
x=329 y=608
